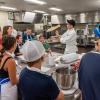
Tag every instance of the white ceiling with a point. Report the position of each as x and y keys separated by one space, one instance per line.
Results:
x=68 y=6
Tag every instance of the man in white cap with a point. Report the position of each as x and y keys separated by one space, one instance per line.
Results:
x=33 y=83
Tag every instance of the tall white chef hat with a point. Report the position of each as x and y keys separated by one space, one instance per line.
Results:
x=33 y=50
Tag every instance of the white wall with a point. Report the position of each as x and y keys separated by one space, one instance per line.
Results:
x=4 y=19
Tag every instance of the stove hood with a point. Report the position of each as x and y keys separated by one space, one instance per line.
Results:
x=58 y=19
x=38 y=18
x=86 y=17
x=27 y=17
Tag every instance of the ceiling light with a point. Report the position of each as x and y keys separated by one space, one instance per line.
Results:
x=8 y=8
x=45 y=14
x=55 y=9
x=36 y=2
x=39 y=11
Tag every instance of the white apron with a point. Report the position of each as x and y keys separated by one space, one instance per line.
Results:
x=8 y=92
x=71 y=49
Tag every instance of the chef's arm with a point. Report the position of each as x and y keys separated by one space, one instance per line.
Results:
x=66 y=39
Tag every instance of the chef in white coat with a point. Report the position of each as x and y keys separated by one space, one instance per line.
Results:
x=69 y=38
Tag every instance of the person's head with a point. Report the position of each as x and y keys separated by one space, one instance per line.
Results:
x=19 y=39
x=70 y=24
x=33 y=52
x=7 y=30
x=97 y=45
x=28 y=31
x=41 y=39
x=9 y=43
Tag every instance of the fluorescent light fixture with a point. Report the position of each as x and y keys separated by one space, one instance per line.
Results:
x=55 y=9
x=39 y=11
x=8 y=8
x=36 y=2
x=45 y=14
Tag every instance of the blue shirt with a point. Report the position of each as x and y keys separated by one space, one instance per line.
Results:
x=37 y=86
x=97 y=32
x=89 y=76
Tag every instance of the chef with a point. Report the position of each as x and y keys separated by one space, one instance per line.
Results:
x=69 y=38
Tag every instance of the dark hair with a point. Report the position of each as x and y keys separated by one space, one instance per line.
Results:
x=33 y=62
x=28 y=28
x=18 y=36
x=5 y=28
x=8 y=42
x=41 y=36
x=71 y=22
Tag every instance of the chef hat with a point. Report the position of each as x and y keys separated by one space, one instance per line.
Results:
x=32 y=50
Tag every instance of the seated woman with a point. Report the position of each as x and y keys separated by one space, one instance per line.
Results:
x=45 y=44
x=33 y=83
x=19 y=45
x=8 y=79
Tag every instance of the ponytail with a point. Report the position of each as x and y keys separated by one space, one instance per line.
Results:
x=1 y=54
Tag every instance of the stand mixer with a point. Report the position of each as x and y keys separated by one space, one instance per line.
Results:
x=66 y=77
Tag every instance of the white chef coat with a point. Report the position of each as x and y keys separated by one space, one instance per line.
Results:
x=69 y=38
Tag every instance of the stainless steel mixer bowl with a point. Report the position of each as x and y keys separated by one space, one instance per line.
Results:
x=65 y=78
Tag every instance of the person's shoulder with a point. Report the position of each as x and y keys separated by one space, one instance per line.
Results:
x=45 y=76
x=27 y=71
x=24 y=35
x=89 y=54
x=23 y=71
x=46 y=42
x=92 y=53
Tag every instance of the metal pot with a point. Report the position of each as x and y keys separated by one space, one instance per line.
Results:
x=65 y=78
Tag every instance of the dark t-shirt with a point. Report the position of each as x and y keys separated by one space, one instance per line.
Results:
x=37 y=86
x=89 y=76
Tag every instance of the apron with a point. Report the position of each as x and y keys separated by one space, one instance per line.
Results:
x=70 y=49
x=7 y=90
